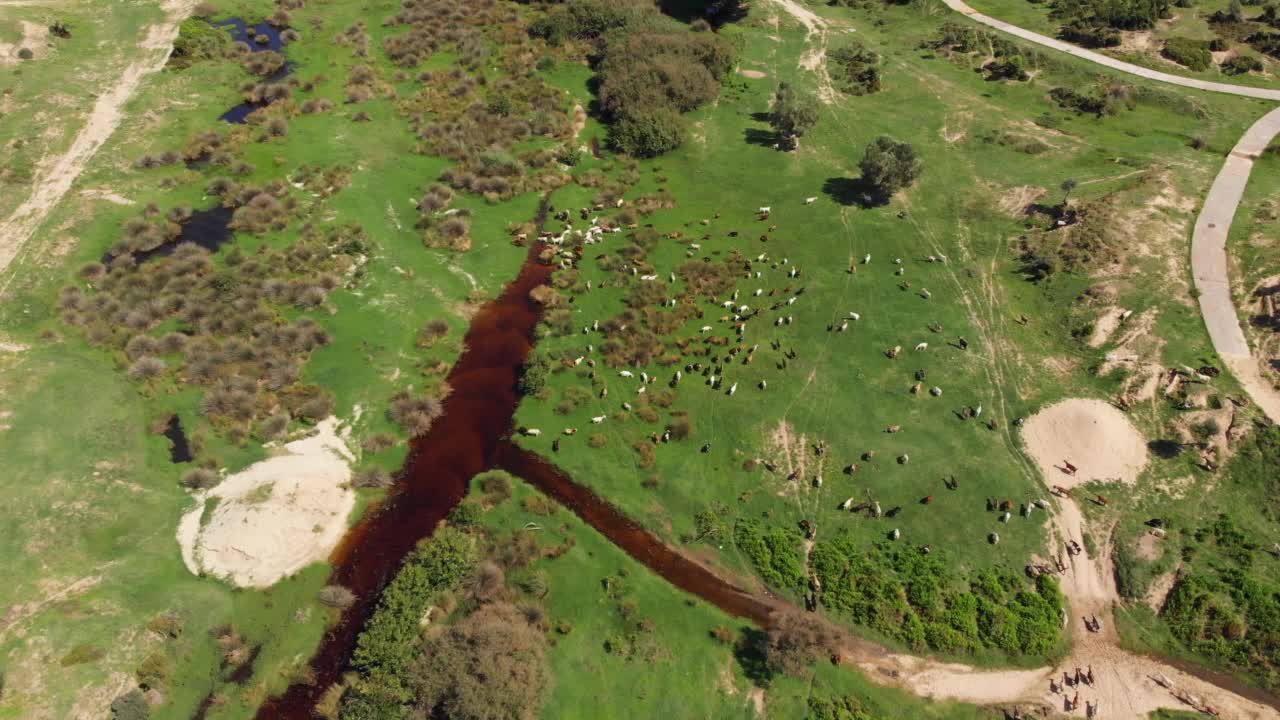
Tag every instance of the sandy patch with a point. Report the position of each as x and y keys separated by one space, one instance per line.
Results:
x=34 y=38
x=579 y=120
x=955 y=126
x=276 y=516
x=1093 y=435
x=1015 y=201
x=1160 y=589
x=756 y=696
x=1106 y=324
x=105 y=194
x=752 y=74
x=1148 y=547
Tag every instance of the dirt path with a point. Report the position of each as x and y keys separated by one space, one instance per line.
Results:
x=50 y=186
x=815 y=58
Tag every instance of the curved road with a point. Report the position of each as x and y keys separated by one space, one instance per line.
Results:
x=1209 y=266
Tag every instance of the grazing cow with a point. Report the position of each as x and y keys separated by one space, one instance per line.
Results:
x=994 y=538
x=843 y=326
x=765 y=210
x=597 y=419
x=626 y=406
x=625 y=373
x=764 y=385
x=531 y=432
x=850 y=469
x=924 y=293
x=893 y=429
x=570 y=431
x=706 y=448
x=733 y=389
x=817 y=481
x=922 y=346
x=892 y=353
x=926 y=500
x=915 y=389
x=555 y=445
x=846 y=504
x=1004 y=518
x=604 y=393
x=810 y=200
x=895 y=534
x=904 y=459
x=706 y=329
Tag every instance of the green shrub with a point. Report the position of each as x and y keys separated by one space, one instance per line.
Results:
x=1193 y=54
x=388 y=643
x=857 y=69
x=1241 y=64
x=199 y=40
x=775 y=552
x=648 y=133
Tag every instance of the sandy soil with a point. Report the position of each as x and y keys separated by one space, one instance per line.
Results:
x=34 y=37
x=1094 y=436
x=1105 y=325
x=752 y=74
x=52 y=184
x=276 y=516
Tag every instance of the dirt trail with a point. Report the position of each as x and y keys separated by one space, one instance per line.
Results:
x=815 y=57
x=50 y=186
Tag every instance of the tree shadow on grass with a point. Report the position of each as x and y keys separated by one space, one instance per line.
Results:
x=750 y=656
x=763 y=138
x=854 y=191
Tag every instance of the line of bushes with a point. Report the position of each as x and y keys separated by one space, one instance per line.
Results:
x=916 y=597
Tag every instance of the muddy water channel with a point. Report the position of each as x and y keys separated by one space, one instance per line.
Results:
x=241 y=32
x=467 y=439
x=477 y=415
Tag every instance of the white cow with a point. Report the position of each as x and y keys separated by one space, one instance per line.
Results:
x=597 y=419
x=532 y=432
x=855 y=316
x=922 y=346
x=810 y=200
x=625 y=373
x=765 y=210
x=733 y=388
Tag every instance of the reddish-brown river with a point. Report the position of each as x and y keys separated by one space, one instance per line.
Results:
x=472 y=436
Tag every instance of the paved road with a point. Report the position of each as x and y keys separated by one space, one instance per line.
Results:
x=1209 y=265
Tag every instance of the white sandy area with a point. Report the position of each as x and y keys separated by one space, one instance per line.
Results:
x=276 y=516
x=1093 y=435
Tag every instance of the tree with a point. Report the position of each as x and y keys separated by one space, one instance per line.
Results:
x=795 y=112
x=1235 y=11
x=888 y=166
x=795 y=641
x=648 y=133
x=1067 y=186
x=491 y=665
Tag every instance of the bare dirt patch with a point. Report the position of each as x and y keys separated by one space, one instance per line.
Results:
x=1160 y=589
x=276 y=516
x=1092 y=435
x=1015 y=201
x=752 y=74
x=1149 y=547
x=1105 y=325
x=34 y=38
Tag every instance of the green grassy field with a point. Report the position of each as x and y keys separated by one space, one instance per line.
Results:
x=44 y=101
x=842 y=391
x=96 y=501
